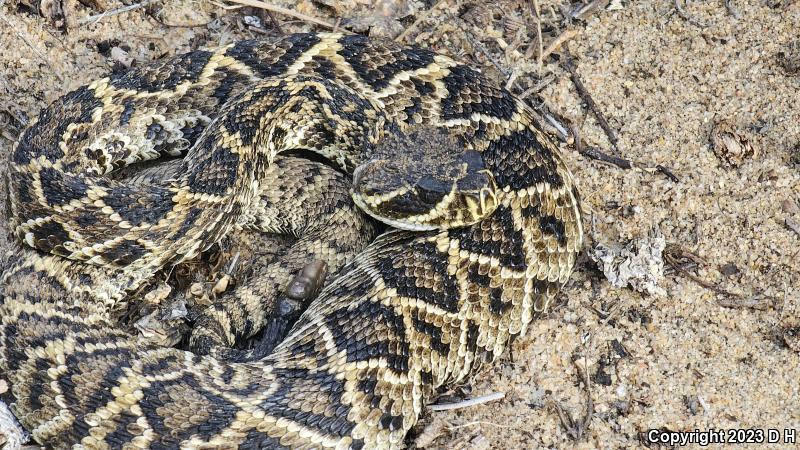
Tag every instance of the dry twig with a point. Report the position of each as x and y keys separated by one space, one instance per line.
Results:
x=577 y=429
x=680 y=260
x=547 y=79
x=585 y=11
x=113 y=12
x=759 y=302
x=569 y=64
x=546 y=117
x=537 y=11
x=622 y=163
x=480 y=422
x=558 y=42
x=275 y=22
x=468 y=403
x=285 y=12
x=596 y=154
x=480 y=47
x=667 y=172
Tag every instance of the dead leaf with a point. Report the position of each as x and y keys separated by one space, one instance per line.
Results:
x=729 y=145
x=12 y=436
x=638 y=263
x=157 y=295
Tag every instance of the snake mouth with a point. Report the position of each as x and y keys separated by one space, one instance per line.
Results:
x=370 y=209
x=450 y=210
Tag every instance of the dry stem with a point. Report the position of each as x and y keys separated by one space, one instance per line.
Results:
x=285 y=12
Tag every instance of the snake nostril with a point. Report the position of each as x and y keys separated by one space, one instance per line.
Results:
x=488 y=200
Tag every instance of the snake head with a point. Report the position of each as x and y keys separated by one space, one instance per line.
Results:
x=425 y=180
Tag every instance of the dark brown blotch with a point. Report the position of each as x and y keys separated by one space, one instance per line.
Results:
x=124 y=253
x=139 y=206
x=50 y=237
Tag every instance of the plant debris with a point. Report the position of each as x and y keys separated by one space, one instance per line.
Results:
x=468 y=403
x=729 y=145
x=638 y=263
x=12 y=436
x=164 y=326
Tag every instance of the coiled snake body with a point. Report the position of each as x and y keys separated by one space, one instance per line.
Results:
x=496 y=216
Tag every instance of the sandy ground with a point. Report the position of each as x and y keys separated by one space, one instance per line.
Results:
x=710 y=345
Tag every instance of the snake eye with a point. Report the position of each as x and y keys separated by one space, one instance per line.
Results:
x=428 y=197
x=473 y=160
x=431 y=190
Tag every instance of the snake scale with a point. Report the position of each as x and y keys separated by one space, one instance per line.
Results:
x=410 y=312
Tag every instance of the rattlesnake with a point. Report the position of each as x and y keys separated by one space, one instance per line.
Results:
x=412 y=311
